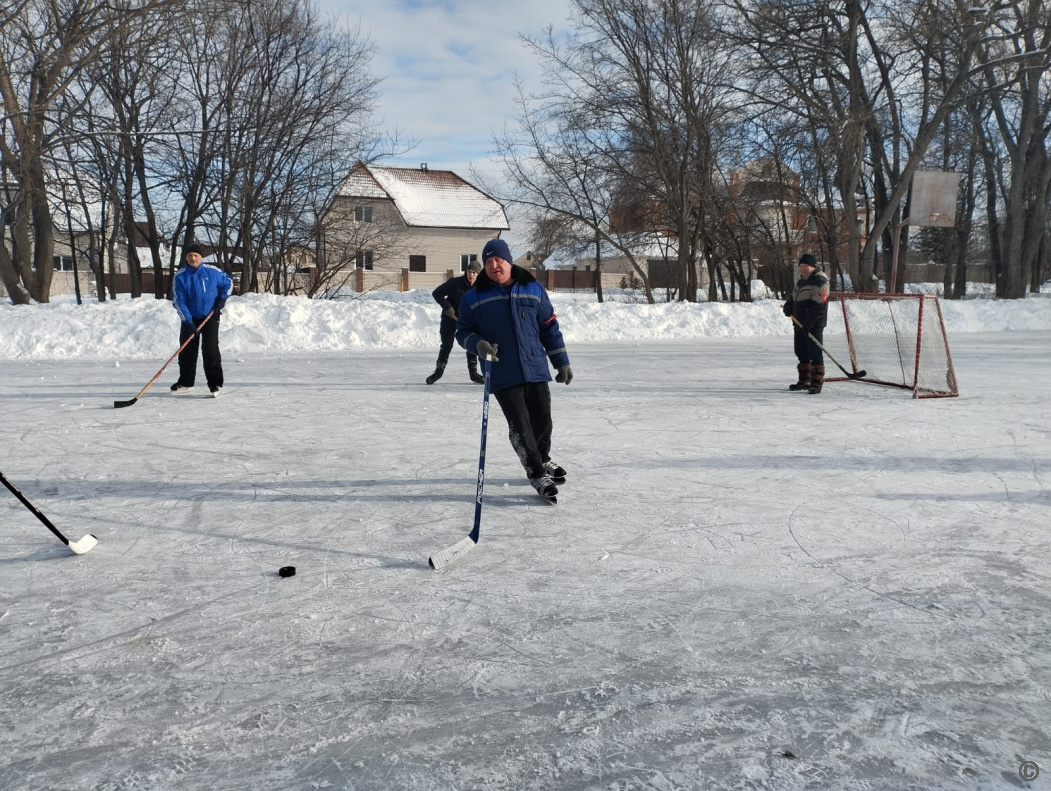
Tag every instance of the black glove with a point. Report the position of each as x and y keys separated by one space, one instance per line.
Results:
x=788 y=308
x=219 y=305
x=565 y=375
x=189 y=328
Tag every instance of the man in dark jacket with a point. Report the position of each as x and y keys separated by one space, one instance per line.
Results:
x=508 y=318
x=448 y=296
x=809 y=307
x=197 y=291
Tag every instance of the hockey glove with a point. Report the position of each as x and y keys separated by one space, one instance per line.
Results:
x=487 y=350
x=565 y=375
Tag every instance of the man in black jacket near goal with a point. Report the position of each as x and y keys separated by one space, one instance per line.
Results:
x=809 y=307
x=448 y=296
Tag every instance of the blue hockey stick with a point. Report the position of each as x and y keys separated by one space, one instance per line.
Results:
x=446 y=556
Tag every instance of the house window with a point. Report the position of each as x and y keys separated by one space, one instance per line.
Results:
x=363 y=213
x=62 y=263
x=417 y=263
x=363 y=260
x=466 y=259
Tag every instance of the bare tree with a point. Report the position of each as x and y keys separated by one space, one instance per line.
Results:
x=281 y=105
x=621 y=140
x=561 y=163
x=875 y=81
x=1016 y=58
x=44 y=47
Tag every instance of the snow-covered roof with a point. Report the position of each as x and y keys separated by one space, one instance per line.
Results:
x=427 y=198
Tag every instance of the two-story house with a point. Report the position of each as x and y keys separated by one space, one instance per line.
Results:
x=401 y=228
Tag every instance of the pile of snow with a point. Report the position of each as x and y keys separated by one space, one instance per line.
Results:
x=148 y=328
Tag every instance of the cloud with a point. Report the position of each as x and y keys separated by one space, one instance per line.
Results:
x=448 y=72
x=449 y=67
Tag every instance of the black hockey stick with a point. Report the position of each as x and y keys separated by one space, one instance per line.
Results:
x=78 y=547
x=446 y=556
x=858 y=375
x=119 y=404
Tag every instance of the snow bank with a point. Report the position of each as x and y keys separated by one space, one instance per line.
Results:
x=147 y=328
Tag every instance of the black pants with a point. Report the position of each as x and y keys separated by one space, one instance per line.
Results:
x=208 y=341
x=448 y=333
x=806 y=350
x=527 y=408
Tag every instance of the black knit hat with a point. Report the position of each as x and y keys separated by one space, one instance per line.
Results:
x=809 y=260
x=192 y=248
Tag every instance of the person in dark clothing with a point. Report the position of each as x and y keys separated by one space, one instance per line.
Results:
x=809 y=306
x=508 y=318
x=448 y=296
x=197 y=290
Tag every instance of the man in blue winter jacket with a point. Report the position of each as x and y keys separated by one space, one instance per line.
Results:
x=508 y=319
x=199 y=291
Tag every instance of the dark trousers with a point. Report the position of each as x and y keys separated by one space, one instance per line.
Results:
x=208 y=341
x=527 y=408
x=806 y=350
x=448 y=333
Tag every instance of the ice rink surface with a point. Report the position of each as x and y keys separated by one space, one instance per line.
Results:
x=741 y=588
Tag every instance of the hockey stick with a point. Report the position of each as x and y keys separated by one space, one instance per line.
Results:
x=849 y=375
x=119 y=404
x=78 y=547
x=444 y=557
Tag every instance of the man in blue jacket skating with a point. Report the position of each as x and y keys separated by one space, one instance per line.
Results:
x=197 y=290
x=508 y=318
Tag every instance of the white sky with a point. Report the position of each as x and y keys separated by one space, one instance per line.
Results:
x=448 y=71
x=448 y=68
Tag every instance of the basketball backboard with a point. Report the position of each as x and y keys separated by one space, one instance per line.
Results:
x=934 y=198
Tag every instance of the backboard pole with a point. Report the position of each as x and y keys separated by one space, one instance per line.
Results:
x=892 y=284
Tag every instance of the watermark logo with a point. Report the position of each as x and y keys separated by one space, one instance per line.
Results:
x=1029 y=770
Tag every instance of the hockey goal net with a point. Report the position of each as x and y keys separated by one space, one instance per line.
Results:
x=899 y=340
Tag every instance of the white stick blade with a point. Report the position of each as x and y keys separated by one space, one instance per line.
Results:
x=86 y=544
x=443 y=558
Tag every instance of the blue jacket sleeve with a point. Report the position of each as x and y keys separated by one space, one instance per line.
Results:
x=226 y=286
x=467 y=334
x=179 y=300
x=551 y=333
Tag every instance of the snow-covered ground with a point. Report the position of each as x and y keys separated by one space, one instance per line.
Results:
x=741 y=587
x=143 y=329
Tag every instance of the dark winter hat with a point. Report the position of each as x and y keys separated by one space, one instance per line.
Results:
x=192 y=248
x=474 y=266
x=498 y=248
x=809 y=260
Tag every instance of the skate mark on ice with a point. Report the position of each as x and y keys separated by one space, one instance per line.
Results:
x=930 y=610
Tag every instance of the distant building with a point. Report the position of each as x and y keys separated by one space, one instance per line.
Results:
x=388 y=227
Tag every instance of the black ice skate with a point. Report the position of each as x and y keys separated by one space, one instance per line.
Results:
x=555 y=472
x=546 y=488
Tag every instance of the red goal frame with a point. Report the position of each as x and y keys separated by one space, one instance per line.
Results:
x=899 y=340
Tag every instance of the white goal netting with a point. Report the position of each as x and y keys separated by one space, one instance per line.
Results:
x=897 y=340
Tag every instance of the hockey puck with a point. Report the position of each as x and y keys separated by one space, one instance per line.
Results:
x=286 y=571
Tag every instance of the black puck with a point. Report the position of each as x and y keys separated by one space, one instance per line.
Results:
x=286 y=571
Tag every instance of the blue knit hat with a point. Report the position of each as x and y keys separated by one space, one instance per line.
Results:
x=498 y=248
